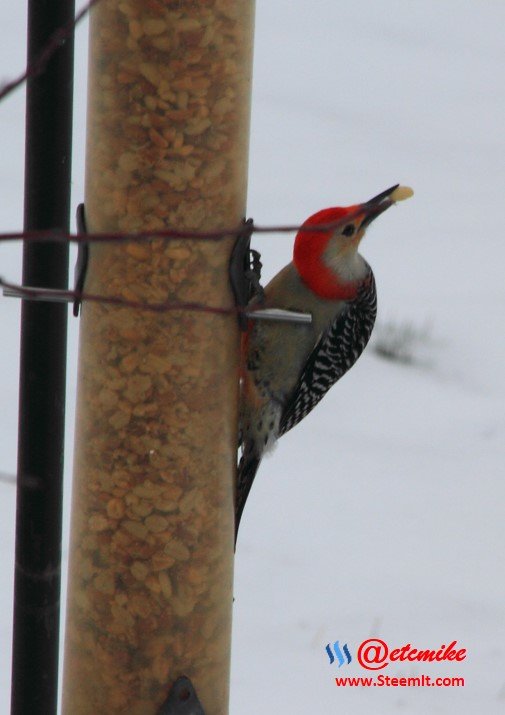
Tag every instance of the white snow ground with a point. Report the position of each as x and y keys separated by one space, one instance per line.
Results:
x=382 y=513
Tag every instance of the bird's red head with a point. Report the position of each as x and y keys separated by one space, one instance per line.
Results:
x=310 y=248
x=327 y=260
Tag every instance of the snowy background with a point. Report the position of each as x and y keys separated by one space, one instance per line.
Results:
x=382 y=514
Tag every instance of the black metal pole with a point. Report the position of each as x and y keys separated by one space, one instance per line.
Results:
x=42 y=372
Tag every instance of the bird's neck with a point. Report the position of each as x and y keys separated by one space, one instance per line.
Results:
x=331 y=275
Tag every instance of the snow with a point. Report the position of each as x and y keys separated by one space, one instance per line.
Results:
x=382 y=514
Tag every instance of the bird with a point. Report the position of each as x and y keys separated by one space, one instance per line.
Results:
x=287 y=367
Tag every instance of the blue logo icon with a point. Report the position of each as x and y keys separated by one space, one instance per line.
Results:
x=339 y=653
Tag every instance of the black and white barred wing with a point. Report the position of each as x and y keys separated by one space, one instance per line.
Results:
x=336 y=351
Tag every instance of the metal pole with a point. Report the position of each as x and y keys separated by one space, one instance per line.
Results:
x=42 y=371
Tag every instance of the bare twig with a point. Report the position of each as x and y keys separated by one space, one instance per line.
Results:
x=54 y=43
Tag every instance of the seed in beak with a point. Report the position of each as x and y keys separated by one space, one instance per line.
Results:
x=401 y=193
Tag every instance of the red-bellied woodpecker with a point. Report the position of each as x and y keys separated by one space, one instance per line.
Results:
x=289 y=367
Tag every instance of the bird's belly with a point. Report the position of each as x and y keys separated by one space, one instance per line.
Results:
x=281 y=354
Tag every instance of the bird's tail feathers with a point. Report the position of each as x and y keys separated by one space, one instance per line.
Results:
x=247 y=468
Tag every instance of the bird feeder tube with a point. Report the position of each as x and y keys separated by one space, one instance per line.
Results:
x=151 y=555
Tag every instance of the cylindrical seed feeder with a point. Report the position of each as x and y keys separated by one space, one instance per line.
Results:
x=150 y=582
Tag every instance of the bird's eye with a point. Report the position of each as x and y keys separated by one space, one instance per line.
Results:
x=348 y=230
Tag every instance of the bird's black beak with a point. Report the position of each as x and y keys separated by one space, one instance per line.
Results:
x=374 y=207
